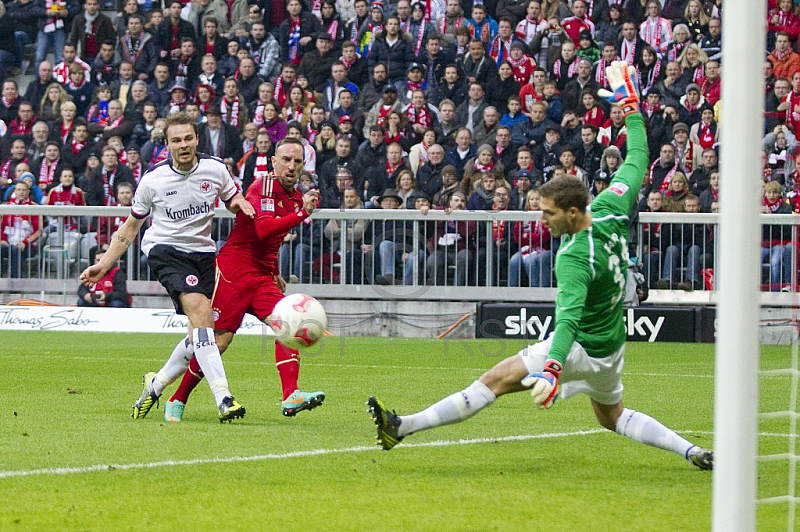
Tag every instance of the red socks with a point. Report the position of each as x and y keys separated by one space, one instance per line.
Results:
x=285 y=360
x=191 y=378
x=288 y=368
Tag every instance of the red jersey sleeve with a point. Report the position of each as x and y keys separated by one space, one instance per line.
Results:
x=265 y=199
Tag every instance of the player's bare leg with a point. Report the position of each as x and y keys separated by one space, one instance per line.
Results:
x=645 y=429
x=503 y=378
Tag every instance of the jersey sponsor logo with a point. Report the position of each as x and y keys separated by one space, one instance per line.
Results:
x=205 y=186
x=532 y=327
x=192 y=280
x=267 y=205
x=619 y=189
x=191 y=210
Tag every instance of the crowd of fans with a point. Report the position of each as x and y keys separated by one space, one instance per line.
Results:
x=430 y=104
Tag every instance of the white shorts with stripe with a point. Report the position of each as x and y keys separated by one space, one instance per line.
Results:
x=599 y=378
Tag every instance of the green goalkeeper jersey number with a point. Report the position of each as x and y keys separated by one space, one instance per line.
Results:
x=592 y=265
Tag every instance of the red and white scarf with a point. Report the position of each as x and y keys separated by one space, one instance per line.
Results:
x=600 y=75
x=47 y=172
x=652 y=75
x=108 y=183
x=418 y=116
x=675 y=51
x=65 y=130
x=294 y=114
x=524 y=27
x=423 y=152
x=392 y=169
x=572 y=70
x=52 y=23
x=333 y=29
x=262 y=168
x=77 y=146
x=231 y=118
x=5 y=170
x=500 y=50
x=18 y=127
x=652 y=32
x=137 y=171
x=282 y=92
x=418 y=41
x=780 y=56
x=8 y=103
x=117 y=122
x=628 y=51
x=699 y=74
x=443 y=24
x=79 y=86
x=667 y=178
x=258 y=116
x=707 y=136
x=498 y=227
x=650 y=110
x=483 y=168
x=382 y=112
x=774 y=206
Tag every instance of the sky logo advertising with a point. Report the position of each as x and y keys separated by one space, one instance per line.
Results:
x=536 y=322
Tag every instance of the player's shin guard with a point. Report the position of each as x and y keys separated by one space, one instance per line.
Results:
x=643 y=428
x=457 y=407
x=175 y=366
x=191 y=378
x=288 y=368
x=210 y=361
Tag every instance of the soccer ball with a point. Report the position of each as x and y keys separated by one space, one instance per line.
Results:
x=298 y=321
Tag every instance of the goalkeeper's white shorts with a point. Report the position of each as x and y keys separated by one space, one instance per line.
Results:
x=599 y=378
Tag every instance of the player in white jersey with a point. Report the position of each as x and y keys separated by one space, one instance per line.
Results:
x=180 y=194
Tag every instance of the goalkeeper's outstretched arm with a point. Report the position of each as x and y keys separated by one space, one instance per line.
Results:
x=622 y=78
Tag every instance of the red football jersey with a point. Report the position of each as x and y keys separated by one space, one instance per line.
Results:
x=256 y=242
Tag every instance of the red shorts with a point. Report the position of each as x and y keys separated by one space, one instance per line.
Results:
x=238 y=291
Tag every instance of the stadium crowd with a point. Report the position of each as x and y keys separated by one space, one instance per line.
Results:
x=434 y=104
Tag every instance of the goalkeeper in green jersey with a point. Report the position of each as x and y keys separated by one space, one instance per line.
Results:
x=586 y=351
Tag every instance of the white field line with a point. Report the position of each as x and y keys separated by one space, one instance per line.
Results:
x=281 y=456
x=310 y=361
x=314 y=452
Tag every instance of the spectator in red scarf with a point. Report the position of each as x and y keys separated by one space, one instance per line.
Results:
x=711 y=194
x=776 y=240
x=710 y=85
x=110 y=291
x=784 y=61
x=783 y=19
x=534 y=256
x=79 y=149
x=19 y=233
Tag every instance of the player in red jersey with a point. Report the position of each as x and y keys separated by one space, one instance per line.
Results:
x=247 y=276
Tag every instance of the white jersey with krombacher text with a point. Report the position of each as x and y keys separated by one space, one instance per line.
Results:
x=182 y=205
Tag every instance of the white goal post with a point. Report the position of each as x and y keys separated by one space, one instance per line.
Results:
x=737 y=344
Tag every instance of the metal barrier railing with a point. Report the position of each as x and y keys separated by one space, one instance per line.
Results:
x=480 y=250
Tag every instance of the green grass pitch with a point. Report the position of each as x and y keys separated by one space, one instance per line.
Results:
x=72 y=459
